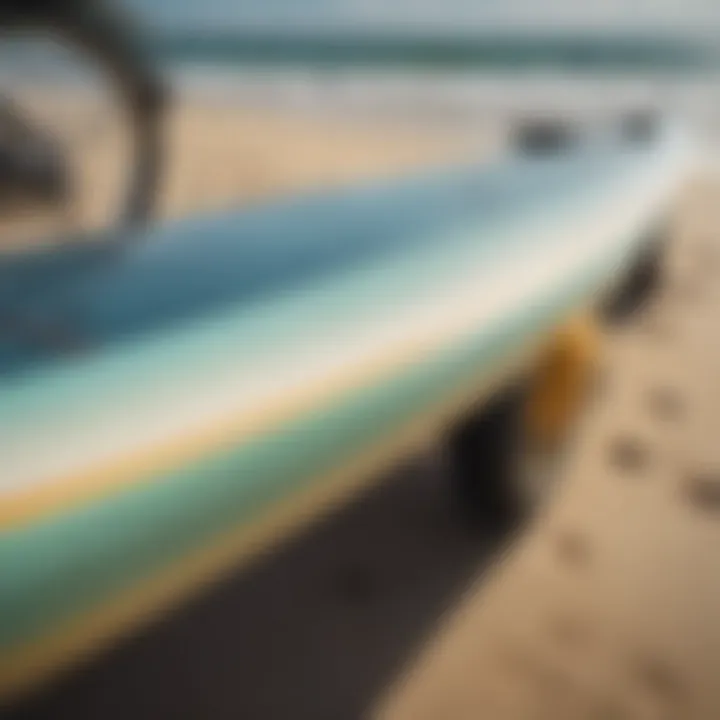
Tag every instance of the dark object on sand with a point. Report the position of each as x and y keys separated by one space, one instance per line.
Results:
x=639 y=125
x=544 y=136
x=104 y=36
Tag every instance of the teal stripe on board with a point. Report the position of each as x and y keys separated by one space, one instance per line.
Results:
x=241 y=332
x=116 y=543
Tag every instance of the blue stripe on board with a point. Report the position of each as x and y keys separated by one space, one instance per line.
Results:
x=196 y=268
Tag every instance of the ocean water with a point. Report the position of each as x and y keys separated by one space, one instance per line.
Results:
x=412 y=59
x=427 y=17
x=464 y=95
x=439 y=62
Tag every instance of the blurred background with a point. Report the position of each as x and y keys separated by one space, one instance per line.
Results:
x=273 y=97
x=268 y=98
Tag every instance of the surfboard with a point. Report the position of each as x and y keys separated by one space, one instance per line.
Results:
x=173 y=400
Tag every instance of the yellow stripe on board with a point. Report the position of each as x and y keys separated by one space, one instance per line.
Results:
x=27 y=504
x=77 y=640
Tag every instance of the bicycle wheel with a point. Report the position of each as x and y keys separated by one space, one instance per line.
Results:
x=73 y=78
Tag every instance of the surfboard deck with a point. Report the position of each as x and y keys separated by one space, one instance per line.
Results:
x=171 y=403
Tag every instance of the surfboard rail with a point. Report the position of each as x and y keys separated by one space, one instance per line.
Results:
x=176 y=399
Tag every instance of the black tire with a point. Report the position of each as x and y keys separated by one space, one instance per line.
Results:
x=504 y=456
x=105 y=37
x=483 y=464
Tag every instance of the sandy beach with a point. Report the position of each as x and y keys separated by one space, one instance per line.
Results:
x=220 y=157
x=229 y=155
x=606 y=606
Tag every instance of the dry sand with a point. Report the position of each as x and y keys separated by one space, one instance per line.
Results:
x=225 y=156
x=607 y=607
